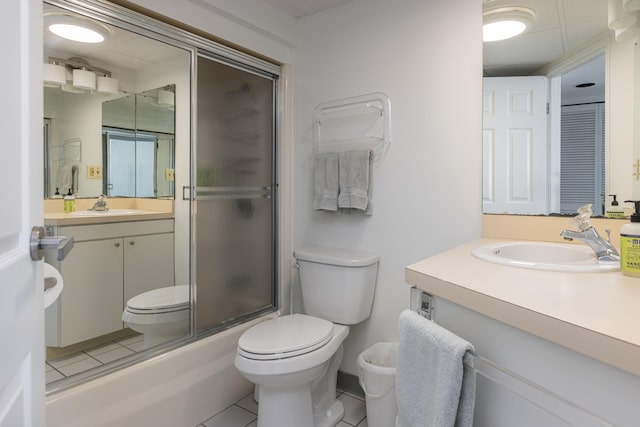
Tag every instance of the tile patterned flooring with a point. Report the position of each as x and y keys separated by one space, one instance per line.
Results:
x=81 y=361
x=244 y=413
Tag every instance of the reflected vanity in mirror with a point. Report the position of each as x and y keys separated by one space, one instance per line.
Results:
x=116 y=131
x=578 y=151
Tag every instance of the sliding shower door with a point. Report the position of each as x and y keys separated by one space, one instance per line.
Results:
x=235 y=203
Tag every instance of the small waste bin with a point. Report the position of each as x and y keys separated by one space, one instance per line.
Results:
x=377 y=375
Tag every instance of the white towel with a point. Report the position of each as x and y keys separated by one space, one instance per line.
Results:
x=435 y=379
x=354 y=179
x=325 y=181
x=65 y=178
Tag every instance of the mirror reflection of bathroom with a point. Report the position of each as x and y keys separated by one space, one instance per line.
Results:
x=116 y=123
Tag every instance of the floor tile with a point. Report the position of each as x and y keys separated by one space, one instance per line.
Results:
x=253 y=424
x=52 y=376
x=233 y=416
x=363 y=423
x=248 y=403
x=354 y=409
x=102 y=348
x=79 y=366
x=68 y=360
x=130 y=340
x=116 y=353
x=343 y=424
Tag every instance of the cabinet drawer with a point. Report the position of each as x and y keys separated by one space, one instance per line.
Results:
x=108 y=231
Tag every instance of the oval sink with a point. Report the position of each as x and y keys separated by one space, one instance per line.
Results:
x=544 y=256
x=109 y=212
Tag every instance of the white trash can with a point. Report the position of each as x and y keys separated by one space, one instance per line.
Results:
x=377 y=375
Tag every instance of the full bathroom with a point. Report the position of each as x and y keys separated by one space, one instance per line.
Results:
x=189 y=165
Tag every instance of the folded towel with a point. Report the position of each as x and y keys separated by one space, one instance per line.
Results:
x=435 y=379
x=355 y=175
x=325 y=181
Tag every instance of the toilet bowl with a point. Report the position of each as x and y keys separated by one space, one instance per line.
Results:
x=294 y=359
x=161 y=315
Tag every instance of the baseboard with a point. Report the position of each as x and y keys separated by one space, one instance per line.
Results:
x=349 y=383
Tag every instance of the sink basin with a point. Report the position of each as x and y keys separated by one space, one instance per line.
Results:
x=53 y=284
x=109 y=212
x=544 y=256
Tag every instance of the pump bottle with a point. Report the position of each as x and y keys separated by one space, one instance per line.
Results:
x=69 y=202
x=630 y=243
x=614 y=210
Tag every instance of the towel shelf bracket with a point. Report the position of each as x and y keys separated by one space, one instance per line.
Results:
x=422 y=303
x=353 y=123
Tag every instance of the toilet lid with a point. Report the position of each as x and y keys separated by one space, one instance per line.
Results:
x=170 y=298
x=285 y=336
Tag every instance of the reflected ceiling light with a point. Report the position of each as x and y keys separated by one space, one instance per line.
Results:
x=76 y=28
x=506 y=22
x=108 y=85
x=619 y=18
x=628 y=33
x=84 y=79
x=166 y=98
x=54 y=75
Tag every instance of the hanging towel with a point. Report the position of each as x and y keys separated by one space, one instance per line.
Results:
x=355 y=167
x=65 y=178
x=435 y=379
x=325 y=181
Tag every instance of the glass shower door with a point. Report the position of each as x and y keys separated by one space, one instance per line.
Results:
x=235 y=193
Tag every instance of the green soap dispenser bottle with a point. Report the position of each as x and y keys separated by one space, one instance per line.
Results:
x=69 y=202
x=630 y=243
x=614 y=210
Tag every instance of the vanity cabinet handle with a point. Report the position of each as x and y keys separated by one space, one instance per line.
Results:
x=132 y=242
x=117 y=245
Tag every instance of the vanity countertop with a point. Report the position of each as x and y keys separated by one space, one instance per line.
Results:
x=59 y=218
x=597 y=314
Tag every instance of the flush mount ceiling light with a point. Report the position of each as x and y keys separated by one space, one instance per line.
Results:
x=506 y=22
x=76 y=28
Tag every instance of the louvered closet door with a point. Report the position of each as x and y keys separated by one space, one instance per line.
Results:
x=582 y=175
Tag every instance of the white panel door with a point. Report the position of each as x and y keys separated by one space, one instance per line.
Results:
x=21 y=279
x=515 y=145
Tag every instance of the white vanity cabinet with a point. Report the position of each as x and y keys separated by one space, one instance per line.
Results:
x=109 y=264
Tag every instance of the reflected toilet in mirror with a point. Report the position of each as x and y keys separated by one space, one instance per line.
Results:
x=161 y=315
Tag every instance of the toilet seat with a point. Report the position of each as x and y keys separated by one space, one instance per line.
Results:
x=163 y=300
x=284 y=337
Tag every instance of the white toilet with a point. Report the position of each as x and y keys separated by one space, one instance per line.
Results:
x=294 y=359
x=160 y=315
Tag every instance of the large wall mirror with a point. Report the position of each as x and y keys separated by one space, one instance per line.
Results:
x=115 y=135
x=557 y=72
x=126 y=133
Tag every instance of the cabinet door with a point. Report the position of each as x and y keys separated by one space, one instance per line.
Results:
x=148 y=263
x=91 y=302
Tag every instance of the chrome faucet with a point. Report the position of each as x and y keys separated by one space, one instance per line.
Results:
x=101 y=204
x=603 y=248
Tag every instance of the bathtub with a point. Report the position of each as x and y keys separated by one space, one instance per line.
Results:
x=182 y=387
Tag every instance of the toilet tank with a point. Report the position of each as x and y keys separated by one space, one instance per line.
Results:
x=337 y=284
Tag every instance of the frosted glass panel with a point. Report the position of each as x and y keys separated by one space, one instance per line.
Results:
x=234 y=231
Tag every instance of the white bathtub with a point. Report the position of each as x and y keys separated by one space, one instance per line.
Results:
x=180 y=388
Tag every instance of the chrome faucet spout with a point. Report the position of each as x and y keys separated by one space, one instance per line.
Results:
x=603 y=249
x=100 y=205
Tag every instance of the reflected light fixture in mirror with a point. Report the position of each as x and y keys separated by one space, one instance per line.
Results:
x=506 y=22
x=54 y=75
x=77 y=29
x=624 y=19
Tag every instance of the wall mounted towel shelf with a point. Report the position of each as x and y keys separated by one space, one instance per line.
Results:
x=353 y=123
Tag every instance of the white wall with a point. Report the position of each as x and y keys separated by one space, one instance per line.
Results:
x=427 y=56
x=255 y=25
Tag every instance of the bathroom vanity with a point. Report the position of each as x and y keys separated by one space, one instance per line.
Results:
x=114 y=258
x=554 y=347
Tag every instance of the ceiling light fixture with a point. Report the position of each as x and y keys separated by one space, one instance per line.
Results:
x=76 y=28
x=506 y=22
x=624 y=19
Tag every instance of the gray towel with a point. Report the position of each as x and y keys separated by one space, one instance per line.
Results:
x=325 y=181
x=355 y=176
x=435 y=379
